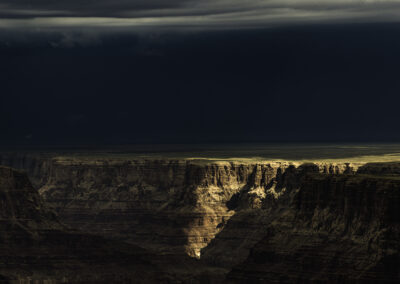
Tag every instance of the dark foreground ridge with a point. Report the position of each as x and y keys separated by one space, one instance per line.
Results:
x=35 y=246
x=139 y=220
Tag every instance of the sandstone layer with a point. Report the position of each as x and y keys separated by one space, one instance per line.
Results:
x=263 y=221
x=331 y=229
x=36 y=248
x=166 y=205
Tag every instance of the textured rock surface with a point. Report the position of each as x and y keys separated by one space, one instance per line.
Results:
x=165 y=205
x=334 y=228
x=36 y=247
x=23 y=217
x=269 y=221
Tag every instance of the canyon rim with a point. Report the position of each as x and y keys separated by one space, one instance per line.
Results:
x=199 y=141
x=200 y=220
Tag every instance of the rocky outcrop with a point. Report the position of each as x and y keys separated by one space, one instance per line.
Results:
x=333 y=228
x=23 y=216
x=265 y=221
x=36 y=248
x=165 y=205
x=37 y=165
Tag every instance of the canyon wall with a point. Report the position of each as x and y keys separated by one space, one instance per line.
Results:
x=166 y=205
x=35 y=247
x=262 y=221
x=333 y=229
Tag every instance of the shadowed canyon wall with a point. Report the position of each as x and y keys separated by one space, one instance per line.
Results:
x=36 y=248
x=332 y=229
x=173 y=205
x=269 y=221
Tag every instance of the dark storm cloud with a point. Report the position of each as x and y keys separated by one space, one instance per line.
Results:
x=122 y=72
x=294 y=83
x=203 y=13
x=106 y=8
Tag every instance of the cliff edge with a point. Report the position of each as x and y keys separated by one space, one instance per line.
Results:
x=261 y=221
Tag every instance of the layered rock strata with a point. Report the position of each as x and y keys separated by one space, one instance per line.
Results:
x=36 y=248
x=264 y=221
x=165 y=205
x=336 y=229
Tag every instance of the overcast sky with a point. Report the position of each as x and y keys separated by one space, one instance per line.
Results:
x=142 y=71
x=28 y=14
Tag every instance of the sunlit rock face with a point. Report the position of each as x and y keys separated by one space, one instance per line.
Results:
x=167 y=205
x=331 y=229
x=262 y=221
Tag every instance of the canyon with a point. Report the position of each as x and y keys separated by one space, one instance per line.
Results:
x=227 y=220
x=35 y=246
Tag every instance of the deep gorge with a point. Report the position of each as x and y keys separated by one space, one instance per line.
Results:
x=252 y=221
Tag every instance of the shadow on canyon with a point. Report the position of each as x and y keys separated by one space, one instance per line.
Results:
x=325 y=228
x=254 y=222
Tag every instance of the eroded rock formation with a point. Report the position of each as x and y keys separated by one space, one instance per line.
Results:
x=36 y=248
x=333 y=229
x=166 y=205
x=263 y=221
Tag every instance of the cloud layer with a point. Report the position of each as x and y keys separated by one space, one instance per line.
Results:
x=27 y=14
